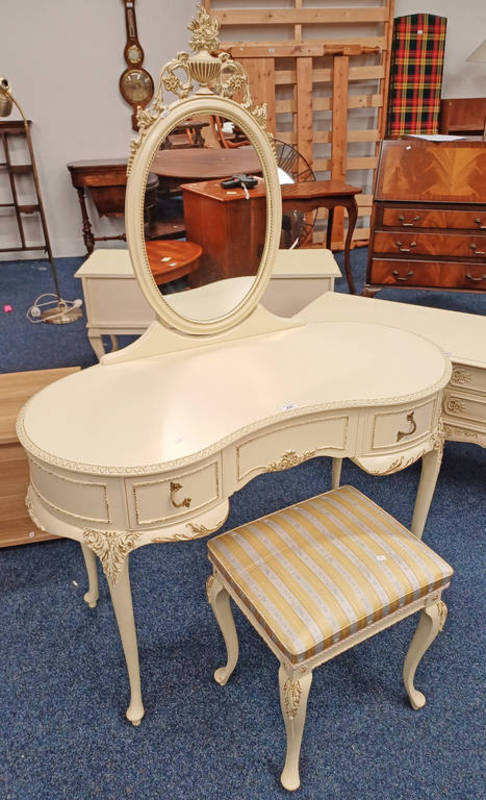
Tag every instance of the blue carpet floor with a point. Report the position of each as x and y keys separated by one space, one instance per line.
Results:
x=63 y=687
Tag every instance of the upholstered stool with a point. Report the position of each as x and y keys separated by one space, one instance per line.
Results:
x=314 y=580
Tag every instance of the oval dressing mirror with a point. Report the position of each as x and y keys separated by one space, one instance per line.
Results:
x=205 y=216
x=203 y=206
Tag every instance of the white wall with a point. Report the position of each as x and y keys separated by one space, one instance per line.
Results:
x=64 y=58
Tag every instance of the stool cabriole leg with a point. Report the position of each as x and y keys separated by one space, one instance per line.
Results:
x=432 y=620
x=91 y=596
x=294 y=691
x=337 y=465
x=219 y=600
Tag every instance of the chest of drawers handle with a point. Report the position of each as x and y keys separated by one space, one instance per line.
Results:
x=186 y=502
x=472 y=278
x=406 y=249
x=404 y=224
x=399 y=277
x=478 y=223
x=477 y=252
x=413 y=427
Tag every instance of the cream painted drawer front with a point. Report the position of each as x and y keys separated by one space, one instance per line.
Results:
x=156 y=500
x=115 y=302
x=404 y=426
x=468 y=378
x=295 y=442
x=465 y=408
x=80 y=499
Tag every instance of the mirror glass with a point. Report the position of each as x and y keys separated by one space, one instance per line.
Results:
x=204 y=240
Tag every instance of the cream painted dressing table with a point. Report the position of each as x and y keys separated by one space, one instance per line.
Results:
x=148 y=446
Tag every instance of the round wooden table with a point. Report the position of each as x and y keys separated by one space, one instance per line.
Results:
x=205 y=163
x=170 y=260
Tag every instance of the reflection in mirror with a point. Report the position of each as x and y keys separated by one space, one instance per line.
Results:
x=205 y=217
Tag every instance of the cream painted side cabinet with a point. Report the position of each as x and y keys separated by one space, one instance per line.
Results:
x=462 y=337
x=115 y=305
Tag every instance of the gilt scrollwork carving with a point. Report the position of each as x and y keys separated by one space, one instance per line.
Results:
x=454 y=406
x=219 y=74
x=209 y=586
x=292 y=693
x=196 y=531
x=289 y=459
x=442 y=608
x=112 y=548
x=461 y=375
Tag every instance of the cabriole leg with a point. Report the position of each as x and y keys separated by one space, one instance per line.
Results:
x=91 y=596
x=121 y=597
x=428 y=478
x=337 y=465
x=293 y=702
x=431 y=621
x=219 y=600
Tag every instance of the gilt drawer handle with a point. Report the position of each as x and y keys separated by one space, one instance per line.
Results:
x=478 y=222
x=472 y=278
x=399 y=277
x=406 y=249
x=413 y=427
x=174 y=487
x=477 y=252
x=404 y=224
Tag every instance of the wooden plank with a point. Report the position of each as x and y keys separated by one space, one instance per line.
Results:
x=306 y=21
x=303 y=102
x=261 y=74
x=340 y=83
x=298 y=26
x=321 y=103
x=299 y=16
x=290 y=137
x=372 y=72
x=371 y=135
x=285 y=106
x=386 y=58
x=322 y=164
x=365 y=101
x=288 y=76
x=362 y=162
x=289 y=49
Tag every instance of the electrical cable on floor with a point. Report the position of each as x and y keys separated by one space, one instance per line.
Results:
x=39 y=311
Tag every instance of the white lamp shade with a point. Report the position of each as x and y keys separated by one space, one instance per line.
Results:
x=479 y=54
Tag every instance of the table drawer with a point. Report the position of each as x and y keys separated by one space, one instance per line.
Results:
x=446 y=274
x=416 y=218
x=465 y=409
x=404 y=426
x=468 y=245
x=288 y=445
x=164 y=499
x=468 y=378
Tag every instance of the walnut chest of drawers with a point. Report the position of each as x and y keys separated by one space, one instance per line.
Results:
x=428 y=227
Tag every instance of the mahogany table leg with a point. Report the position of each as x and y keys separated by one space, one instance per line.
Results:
x=87 y=232
x=352 y=209
x=330 y=222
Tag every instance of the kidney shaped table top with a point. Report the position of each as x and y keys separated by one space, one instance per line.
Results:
x=150 y=450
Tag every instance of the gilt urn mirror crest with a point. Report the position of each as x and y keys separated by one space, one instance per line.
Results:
x=203 y=207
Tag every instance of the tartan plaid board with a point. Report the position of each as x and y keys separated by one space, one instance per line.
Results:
x=417 y=60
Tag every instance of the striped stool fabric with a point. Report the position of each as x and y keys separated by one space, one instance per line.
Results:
x=317 y=572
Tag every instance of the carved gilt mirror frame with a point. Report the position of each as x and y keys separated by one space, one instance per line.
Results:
x=219 y=79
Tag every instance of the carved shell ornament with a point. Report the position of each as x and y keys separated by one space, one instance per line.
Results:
x=219 y=75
